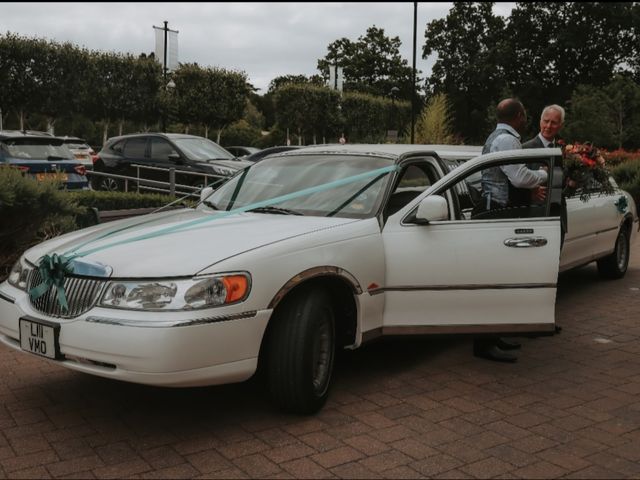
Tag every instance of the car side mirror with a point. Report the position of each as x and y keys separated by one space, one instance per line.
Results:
x=432 y=209
x=175 y=157
x=205 y=192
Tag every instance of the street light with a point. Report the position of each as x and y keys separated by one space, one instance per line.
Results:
x=169 y=87
x=393 y=134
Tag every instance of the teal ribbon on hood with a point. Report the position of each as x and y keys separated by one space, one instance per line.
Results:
x=53 y=269
x=622 y=204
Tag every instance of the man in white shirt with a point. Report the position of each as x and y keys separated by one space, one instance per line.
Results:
x=496 y=181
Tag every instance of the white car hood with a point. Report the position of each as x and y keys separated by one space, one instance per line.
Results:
x=183 y=253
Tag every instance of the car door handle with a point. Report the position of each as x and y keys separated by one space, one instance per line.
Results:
x=525 y=242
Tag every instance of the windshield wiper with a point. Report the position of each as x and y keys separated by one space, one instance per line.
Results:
x=283 y=211
x=209 y=203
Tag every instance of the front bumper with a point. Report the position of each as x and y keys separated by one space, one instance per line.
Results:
x=177 y=349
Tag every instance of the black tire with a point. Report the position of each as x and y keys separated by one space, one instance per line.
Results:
x=301 y=352
x=615 y=265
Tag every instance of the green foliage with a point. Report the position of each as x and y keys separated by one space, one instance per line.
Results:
x=372 y=64
x=308 y=110
x=549 y=48
x=607 y=116
x=212 y=97
x=627 y=176
x=366 y=117
x=31 y=210
x=468 y=68
x=240 y=133
x=283 y=80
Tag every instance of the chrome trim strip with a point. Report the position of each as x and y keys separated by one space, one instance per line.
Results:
x=505 y=328
x=591 y=234
x=170 y=323
x=477 y=222
x=410 y=288
x=324 y=271
x=450 y=329
x=6 y=297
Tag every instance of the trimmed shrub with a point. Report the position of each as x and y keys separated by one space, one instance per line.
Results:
x=116 y=201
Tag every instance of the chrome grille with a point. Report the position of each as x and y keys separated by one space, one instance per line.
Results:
x=82 y=294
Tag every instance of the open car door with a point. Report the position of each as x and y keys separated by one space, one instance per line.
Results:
x=466 y=272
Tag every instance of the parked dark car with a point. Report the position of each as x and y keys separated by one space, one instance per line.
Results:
x=254 y=157
x=42 y=157
x=241 y=151
x=186 y=153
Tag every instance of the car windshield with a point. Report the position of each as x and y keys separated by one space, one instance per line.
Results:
x=35 y=150
x=202 y=149
x=280 y=176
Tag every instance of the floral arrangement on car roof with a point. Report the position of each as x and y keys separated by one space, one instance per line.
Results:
x=584 y=171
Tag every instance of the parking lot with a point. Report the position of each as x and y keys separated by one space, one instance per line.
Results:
x=399 y=408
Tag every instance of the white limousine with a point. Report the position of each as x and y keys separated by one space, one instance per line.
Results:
x=303 y=253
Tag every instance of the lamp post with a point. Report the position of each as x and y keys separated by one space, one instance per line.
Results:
x=169 y=87
x=393 y=134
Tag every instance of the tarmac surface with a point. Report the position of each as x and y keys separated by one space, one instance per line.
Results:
x=399 y=408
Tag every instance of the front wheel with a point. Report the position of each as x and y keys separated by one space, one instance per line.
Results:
x=615 y=265
x=301 y=351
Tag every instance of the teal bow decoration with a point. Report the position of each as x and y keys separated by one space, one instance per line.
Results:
x=53 y=269
x=622 y=204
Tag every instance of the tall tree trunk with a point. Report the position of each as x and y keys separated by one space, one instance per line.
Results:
x=314 y=138
x=299 y=137
x=186 y=129
x=206 y=131
x=105 y=132
x=21 y=120
x=51 y=123
x=120 y=125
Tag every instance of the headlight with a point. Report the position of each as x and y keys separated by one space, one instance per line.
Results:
x=173 y=294
x=18 y=275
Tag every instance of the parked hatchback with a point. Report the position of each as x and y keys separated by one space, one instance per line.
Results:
x=188 y=154
x=42 y=157
x=81 y=150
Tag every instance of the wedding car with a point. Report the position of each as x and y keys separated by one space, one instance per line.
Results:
x=296 y=256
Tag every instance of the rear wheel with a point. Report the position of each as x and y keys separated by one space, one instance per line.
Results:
x=301 y=352
x=615 y=265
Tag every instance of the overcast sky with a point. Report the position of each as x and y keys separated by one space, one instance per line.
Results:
x=265 y=40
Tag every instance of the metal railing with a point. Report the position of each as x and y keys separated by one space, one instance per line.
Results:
x=170 y=187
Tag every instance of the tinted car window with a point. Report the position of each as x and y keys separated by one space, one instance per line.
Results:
x=118 y=147
x=202 y=149
x=135 y=147
x=161 y=149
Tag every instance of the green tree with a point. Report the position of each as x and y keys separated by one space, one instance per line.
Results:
x=588 y=117
x=468 y=68
x=307 y=109
x=372 y=64
x=550 y=48
x=211 y=97
x=19 y=58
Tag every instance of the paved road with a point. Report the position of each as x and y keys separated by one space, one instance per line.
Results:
x=401 y=408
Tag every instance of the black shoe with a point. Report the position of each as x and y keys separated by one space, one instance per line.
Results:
x=504 y=344
x=496 y=354
x=558 y=328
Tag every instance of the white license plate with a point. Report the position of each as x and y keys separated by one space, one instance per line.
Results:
x=40 y=337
